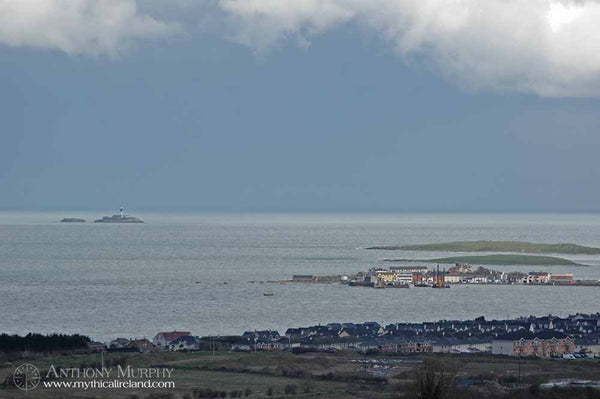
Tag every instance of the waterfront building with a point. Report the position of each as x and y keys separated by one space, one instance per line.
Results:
x=453 y=278
x=460 y=268
x=410 y=269
x=538 y=278
x=560 y=278
x=404 y=278
x=386 y=276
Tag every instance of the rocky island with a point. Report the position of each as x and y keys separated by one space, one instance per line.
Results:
x=120 y=218
x=72 y=220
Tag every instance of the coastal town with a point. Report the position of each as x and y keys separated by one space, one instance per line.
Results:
x=571 y=337
x=486 y=358
x=422 y=276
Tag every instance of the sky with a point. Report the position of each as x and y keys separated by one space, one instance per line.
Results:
x=300 y=105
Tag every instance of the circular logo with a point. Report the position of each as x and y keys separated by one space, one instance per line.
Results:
x=26 y=377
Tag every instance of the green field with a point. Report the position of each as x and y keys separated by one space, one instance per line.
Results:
x=497 y=246
x=507 y=260
x=314 y=375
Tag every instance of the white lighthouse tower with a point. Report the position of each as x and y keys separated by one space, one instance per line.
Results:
x=121 y=212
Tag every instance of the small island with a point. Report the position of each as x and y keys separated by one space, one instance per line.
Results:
x=72 y=220
x=496 y=246
x=120 y=218
x=507 y=260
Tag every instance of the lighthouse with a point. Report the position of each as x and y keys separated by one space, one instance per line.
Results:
x=121 y=212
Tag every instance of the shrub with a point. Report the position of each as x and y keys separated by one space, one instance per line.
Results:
x=290 y=389
x=307 y=388
x=205 y=393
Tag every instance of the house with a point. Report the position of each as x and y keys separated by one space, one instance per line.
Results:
x=407 y=347
x=243 y=344
x=404 y=278
x=265 y=344
x=347 y=332
x=538 y=278
x=454 y=345
x=119 y=343
x=96 y=346
x=142 y=345
x=369 y=344
x=540 y=344
x=516 y=277
x=386 y=276
x=460 y=268
x=164 y=339
x=272 y=335
x=185 y=342
x=417 y=277
x=410 y=269
x=453 y=278
x=297 y=333
x=372 y=326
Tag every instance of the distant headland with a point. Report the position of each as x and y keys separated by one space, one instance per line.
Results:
x=495 y=246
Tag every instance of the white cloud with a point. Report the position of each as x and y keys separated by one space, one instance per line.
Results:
x=77 y=26
x=547 y=47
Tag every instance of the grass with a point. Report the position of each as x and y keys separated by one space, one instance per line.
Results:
x=507 y=260
x=260 y=371
x=497 y=246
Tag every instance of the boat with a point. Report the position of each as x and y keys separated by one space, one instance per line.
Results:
x=440 y=281
x=120 y=218
x=440 y=285
x=400 y=286
x=268 y=293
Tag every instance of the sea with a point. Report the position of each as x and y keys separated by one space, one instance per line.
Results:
x=207 y=273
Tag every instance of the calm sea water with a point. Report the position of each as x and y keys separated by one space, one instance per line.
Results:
x=111 y=280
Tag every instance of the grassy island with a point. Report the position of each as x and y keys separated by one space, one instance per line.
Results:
x=508 y=260
x=497 y=246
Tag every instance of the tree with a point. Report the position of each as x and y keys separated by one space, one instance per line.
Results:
x=434 y=378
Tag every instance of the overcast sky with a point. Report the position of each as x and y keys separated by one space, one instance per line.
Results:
x=300 y=105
